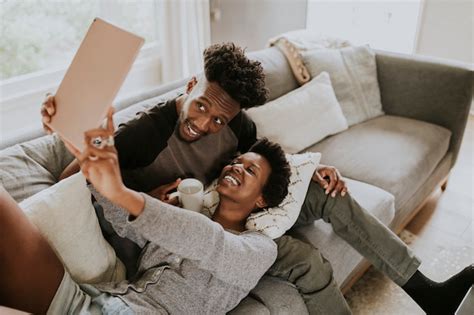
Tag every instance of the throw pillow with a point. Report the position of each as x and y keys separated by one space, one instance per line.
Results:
x=66 y=218
x=274 y=222
x=302 y=117
x=354 y=77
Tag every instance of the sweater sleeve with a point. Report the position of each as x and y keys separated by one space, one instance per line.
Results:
x=194 y=236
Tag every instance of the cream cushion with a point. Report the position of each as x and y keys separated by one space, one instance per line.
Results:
x=302 y=117
x=66 y=218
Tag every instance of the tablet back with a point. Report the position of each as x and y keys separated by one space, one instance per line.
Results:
x=93 y=80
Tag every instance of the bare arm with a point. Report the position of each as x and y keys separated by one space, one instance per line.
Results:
x=71 y=169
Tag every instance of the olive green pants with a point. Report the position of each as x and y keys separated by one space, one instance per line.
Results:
x=305 y=267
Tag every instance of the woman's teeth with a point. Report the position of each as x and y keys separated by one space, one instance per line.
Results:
x=232 y=180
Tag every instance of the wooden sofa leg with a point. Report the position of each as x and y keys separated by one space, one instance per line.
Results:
x=444 y=185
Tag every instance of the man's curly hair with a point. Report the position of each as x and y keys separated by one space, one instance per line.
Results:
x=276 y=187
x=243 y=79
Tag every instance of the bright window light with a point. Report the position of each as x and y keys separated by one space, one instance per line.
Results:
x=45 y=34
x=386 y=25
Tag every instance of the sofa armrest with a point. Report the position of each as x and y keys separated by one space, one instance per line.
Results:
x=427 y=89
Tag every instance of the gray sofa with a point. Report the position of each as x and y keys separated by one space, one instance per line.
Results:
x=392 y=163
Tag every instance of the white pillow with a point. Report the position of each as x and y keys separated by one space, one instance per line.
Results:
x=66 y=218
x=301 y=117
x=353 y=74
x=274 y=222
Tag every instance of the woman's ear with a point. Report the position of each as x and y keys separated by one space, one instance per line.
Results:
x=260 y=203
x=190 y=85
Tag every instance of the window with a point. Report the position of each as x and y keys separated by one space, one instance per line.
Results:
x=386 y=25
x=45 y=34
x=38 y=39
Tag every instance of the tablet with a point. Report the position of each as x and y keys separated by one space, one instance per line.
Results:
x=93 y=79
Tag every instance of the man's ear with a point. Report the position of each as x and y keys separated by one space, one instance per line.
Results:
x=261 y=203
x=190 y=85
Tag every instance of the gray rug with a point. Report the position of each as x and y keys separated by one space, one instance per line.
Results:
x=376 y=294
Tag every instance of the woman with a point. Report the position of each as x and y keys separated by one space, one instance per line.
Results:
x=188 y=264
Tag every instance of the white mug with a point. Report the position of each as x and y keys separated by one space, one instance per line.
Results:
x=190 y=193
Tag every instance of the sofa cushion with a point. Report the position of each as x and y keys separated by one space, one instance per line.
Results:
x=394 y=153
x=342 y=256
x=66 y=218
x=354 y=77
x=302 y=117
x=279 y=77
x=32 y=166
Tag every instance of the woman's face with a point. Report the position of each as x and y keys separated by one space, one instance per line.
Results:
x=242 y=181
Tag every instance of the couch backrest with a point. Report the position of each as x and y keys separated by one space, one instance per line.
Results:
x=279 y=78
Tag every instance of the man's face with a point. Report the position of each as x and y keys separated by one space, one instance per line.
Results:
x=242 y=181
x=207 y=109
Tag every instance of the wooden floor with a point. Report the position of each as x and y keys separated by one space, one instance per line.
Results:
x=442 y=235
x=447 y=218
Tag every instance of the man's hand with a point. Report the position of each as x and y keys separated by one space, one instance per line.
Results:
x=162 y=193
x=330 y=179
x=48 y=109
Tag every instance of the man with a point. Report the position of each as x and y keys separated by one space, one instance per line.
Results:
x=193 y=134
x=189 y=264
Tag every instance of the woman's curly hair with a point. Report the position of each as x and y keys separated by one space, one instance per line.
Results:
x=243 y=79
x=276 y=187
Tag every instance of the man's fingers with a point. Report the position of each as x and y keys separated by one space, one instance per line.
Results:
x=338 y=188
x=344 y=191
x=173 y=201
x=332 y=181
x=320 y=180
x=50 y=109
x=49 y=105
x=171 y=186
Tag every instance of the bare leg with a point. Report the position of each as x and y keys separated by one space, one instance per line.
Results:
x=30 y=271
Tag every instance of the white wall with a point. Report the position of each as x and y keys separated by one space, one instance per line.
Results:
x=446 y=30
x=250 y=23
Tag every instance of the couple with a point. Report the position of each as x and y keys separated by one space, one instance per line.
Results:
x=193 y=135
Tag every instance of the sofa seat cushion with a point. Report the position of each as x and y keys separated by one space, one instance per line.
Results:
x=394 y=153
x=342 y=256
